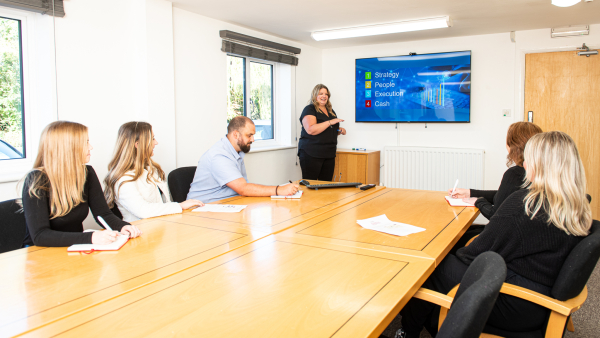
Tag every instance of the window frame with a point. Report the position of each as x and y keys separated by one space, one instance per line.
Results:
x=14 y=169
x=277 y=141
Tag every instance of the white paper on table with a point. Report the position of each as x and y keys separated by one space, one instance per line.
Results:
x=458 y=202
x=383 y=224
x=220 y=208
x=297 y=195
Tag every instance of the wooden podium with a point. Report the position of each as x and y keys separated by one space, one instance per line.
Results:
x=357 y=166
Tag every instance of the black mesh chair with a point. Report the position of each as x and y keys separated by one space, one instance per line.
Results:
x=115 y=210
x=12 y=226
x=568 y=293
x=472 y=301
x=180 y=180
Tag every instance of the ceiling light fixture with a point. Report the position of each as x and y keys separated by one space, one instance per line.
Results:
x=388 y=28
x=565 y=3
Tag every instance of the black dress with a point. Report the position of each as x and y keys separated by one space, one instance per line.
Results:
x=317 y=152
x=68 y=229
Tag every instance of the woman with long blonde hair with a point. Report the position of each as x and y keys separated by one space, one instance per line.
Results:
x=318 y=139
x=61 y=189
x=135 y=183
x=534 y=230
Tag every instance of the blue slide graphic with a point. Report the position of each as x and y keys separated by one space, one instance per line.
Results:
x=414 y=88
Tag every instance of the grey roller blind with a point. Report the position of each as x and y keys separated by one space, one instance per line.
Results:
x=245 y=45
x=38 y=6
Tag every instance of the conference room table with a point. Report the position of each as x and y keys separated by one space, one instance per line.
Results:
x=279 y=267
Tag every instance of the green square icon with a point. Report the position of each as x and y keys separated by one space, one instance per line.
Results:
x=367 y=75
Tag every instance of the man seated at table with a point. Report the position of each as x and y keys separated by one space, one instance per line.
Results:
x=221 y=172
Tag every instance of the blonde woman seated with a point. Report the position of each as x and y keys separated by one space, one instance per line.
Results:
x=60 y=190
x=534 y=230
x=135 y=183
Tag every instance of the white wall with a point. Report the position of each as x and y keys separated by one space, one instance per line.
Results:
x=201 y=96
x=497 y=65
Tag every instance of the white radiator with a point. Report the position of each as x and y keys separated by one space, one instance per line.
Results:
x=432 y=168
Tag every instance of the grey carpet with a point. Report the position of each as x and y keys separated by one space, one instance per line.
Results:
x=586 y=320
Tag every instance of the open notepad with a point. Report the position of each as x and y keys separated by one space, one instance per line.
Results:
x=116 y=245
x=458 y=202
x=220 y=208
x=294 y=196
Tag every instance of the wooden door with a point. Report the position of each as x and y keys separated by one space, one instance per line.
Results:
x=562 y=90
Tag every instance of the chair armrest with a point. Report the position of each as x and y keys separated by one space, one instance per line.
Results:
x=471 y=240
x=564 y=308
x=435 y=297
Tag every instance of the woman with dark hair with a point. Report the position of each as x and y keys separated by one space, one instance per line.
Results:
x=318 y=139
x=488 y=201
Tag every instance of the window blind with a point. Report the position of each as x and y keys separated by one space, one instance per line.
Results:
x=38 y=6
x=245 y=45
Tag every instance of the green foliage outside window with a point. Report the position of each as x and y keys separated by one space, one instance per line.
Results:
x=11 y=107
x=260 y=100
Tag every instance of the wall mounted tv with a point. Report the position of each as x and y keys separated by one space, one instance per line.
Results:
x=414 y=88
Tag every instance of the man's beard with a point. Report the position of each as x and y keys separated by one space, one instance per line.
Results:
x=244 y=147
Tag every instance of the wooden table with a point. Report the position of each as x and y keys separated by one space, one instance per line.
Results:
x=275 y=287
x=278 y=268
x=46 y=284
x=444 y=224
x=273 y=215
x=40 y=285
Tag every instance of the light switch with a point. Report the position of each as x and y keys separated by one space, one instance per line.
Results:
x=506 y=112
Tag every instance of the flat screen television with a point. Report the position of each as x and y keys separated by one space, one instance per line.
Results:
x=414 y=88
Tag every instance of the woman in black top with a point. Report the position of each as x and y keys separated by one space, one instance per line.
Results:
x=534 y=230
x=488 y=201
x=318 y=140
x=60 y=190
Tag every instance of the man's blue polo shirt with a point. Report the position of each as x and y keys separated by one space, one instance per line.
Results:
x=220 y=165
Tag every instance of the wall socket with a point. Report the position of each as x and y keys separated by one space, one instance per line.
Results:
x=506 y=112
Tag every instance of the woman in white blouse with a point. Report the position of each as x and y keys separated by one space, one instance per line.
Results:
x=135 y=183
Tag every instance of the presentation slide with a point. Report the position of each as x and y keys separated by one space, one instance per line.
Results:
x=414 y=88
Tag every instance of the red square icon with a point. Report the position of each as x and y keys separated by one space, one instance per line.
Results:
x=368 y=103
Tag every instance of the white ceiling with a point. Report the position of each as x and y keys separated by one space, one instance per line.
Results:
x=295 y=20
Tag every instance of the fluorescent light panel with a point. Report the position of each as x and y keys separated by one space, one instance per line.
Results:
x=388 y=28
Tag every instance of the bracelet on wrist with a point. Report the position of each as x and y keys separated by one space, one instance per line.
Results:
x=277 y=187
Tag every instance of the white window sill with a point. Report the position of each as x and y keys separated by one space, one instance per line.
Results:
x=259 y=149
x=14 y=170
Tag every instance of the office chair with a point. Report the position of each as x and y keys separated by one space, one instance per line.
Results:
x=179 y=181
x=470 y=302
x=115 y=210
x=568 y=293
x=12 y=227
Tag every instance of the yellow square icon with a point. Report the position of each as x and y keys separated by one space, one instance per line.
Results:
x=367 y=84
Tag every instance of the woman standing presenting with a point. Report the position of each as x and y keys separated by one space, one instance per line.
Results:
x=318 y=140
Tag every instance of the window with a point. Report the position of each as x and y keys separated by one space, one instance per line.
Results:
x=250 y=93
x=27 y=88
x=12 y=132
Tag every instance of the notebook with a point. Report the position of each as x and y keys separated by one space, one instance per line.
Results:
x=297 y=195
x=458 y=202
x=114 y=246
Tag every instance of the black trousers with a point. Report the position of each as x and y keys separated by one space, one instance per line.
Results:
x=316 y=168
x=509 y=313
